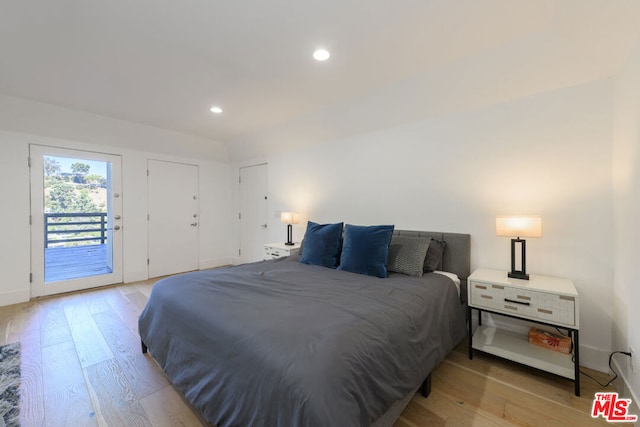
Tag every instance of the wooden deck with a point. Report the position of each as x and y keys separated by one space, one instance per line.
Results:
x=63 y=263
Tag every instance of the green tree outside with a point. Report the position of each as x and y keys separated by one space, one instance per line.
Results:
x=51 y=166
x=79 y=171
x=62 y=197
x=69 y=193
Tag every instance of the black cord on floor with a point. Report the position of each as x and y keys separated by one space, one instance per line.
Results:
x=615 y=374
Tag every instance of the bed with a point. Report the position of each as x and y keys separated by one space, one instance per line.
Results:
x=282 y=343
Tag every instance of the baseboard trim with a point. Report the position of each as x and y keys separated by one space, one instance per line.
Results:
x=136 y=276
x=15 y=297
x=594 y=358
x=624 y=389
x=215 y=263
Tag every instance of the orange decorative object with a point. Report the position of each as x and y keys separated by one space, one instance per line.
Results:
x=550 y=340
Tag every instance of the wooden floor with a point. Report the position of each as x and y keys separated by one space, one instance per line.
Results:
x=82 y=365
x=72 y=262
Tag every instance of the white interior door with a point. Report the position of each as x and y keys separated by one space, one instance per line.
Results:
x=76 y=220
x=173 y=217
x=253 y=212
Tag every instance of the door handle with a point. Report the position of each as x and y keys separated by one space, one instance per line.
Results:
x=194 y=224
x=116 y=227
x=264 y=226
x=116 y=217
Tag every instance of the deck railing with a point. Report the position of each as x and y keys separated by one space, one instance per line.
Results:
x=80 y=227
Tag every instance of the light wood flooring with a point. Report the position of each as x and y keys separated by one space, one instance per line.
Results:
x=82 y=365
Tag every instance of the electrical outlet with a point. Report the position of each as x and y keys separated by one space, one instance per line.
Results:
x=632 y=362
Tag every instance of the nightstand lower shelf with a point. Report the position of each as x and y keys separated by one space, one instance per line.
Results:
x=516 y=347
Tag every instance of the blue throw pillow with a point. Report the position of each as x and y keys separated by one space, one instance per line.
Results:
x=365 y=249
x=322 y=244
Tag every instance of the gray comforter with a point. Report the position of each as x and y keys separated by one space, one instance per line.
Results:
x=279 y=343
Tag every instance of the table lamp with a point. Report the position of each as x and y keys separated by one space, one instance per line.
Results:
x=519 y=226
x=289 y=218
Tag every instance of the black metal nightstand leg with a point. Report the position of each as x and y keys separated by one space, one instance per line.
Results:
x=576 y=365
x=470 y=338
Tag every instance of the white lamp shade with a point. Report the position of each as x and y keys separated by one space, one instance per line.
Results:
x=519 y=226
x=289 y=217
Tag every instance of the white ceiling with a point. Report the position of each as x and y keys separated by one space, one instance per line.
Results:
x=164 y=63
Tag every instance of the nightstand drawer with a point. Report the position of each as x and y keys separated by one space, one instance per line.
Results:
x=557 y=309
x=487 y=295
x=517 y=301
x=273 y=251
x=520 y=301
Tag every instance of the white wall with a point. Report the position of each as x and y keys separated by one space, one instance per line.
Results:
x=216 y=238
x=35 y=118
x=547 y=154
x=626 y=180
x=14 y=217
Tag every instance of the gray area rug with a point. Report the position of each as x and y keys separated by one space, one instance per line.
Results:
x=10 y=385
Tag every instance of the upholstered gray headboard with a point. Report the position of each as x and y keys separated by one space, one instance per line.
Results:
x=457 y=252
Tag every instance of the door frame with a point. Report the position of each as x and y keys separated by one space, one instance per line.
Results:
x=242 y=252
x=114 y=206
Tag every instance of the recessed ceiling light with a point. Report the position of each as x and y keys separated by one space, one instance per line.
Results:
x=321 y=55
x=216 y=109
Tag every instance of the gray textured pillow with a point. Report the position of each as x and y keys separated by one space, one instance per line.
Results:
x=433 y=260
x=407 y=254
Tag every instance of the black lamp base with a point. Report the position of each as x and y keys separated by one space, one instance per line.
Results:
x=518 y=274
x=289 y=241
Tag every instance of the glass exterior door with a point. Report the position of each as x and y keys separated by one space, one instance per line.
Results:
x=76 y=220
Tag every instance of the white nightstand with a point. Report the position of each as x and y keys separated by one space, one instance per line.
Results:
x=279 y=250
x=546 y=300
